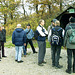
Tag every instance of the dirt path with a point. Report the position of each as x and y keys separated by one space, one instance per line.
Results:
x=8 y=66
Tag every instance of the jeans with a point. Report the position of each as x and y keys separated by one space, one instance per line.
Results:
x=69 y=54
x=42 y=51
x=24 y=50
x=56 y=55
x=18 y=52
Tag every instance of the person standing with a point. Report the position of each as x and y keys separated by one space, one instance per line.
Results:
x=41 y=42
x=29 y=34
x=2 y=40
x=18 y=39
x=49 y=32
x=57 y=34
x=70 y=44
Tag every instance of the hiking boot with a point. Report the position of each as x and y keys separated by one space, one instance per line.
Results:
x=68 y=71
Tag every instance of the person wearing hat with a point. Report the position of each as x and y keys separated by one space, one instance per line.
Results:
x=18 y=39
x=49 y=29
x=29 y=35
x=70 y=45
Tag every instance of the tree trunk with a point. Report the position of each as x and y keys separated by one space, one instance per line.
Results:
x=60 y=5
x=49 y=9
x=11 y=15
x=37 y=8
x=5 y=18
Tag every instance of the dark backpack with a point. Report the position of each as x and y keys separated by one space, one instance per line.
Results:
x=1 y=36
x=36 y=34
x=56 y=36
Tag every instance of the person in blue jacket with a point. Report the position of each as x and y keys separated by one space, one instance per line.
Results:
x=29 y=34
x=18 y=39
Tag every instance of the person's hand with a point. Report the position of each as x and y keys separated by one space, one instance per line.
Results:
x=24 y=44
x=64 y=47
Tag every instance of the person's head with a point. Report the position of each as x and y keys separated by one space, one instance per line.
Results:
x=41 y=22
x=28 y=26
x=57 y=23
x=72 y=20
x=18 y=25
x=0 y=27
x=53 y=21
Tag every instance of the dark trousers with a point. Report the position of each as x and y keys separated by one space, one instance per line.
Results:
x=31 y=44
x=55 y=55
x=42 y=51
x=2 y=46
x=70 y=53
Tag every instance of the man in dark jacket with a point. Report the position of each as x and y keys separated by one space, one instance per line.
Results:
x=19 y=39
x=3 y=31
x=57 y=34
x=70 y=46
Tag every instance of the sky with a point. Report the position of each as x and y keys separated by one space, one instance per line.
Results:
x=26 y=8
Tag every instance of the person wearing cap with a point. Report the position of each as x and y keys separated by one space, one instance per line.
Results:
x=18 y=39
x=49 y=29
x=70 y=46
x=29 y=35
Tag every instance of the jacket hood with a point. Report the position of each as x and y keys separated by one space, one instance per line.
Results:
x=19 y=29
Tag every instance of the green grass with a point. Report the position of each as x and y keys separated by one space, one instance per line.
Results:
x=9 y=43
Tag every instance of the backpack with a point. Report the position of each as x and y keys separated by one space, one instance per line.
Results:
x=55 y=38
x=72 y=36
x=1 y=36
x=36 y=34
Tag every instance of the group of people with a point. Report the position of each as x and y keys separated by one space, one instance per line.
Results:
x=2 y=41
x=57 y=38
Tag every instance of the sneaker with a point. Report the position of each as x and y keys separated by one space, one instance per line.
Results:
x=20 y=61
x=40 y=64
x=44 y=62
x=24 y=55
x=35 y=52
x=67 y=71
x=73 y=71
x=4 y=56
x=60 y=57
x=53 y=65
x=16 y=60
x=59 y=66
